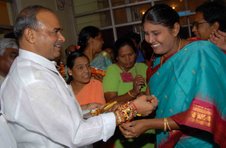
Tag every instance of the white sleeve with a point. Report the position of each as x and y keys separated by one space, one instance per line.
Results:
x=91 y=131
x=52 y=113
x=6 y=137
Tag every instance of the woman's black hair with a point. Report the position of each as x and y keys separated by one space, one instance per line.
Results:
x=71 y=62
x=85 y=34
x=122 y=42
x=146 y=50
x=161 y=14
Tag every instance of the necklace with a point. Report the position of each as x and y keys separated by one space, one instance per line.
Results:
x=126 y=76
x=152 y=69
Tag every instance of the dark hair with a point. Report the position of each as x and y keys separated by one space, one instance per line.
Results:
x=10 y=35
x=146 y=50
x=85 y=34
x=27 y=18
x=214 y=12
x=161 y=14
x=70 y=49
x=71 y=61
x=122 y=42
x=135 y=36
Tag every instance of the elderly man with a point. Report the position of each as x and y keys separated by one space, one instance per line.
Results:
x=8 y=52
x=42 y=111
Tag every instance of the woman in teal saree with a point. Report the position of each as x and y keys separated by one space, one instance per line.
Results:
x=188 y=78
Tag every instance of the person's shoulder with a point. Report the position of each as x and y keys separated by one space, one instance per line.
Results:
x=112 y=70
x=201 y=42
x=95 y=81
x=203 y=50
x=142 y=65
x=202 y=46
x=112 y=67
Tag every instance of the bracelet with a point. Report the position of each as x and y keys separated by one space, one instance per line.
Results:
x=166 y=125
x=137 y=114
x=125 y=112
x=130 y=94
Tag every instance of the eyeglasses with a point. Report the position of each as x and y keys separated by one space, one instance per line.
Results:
x=196 y=24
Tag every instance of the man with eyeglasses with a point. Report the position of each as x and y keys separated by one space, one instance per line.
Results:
x=209 y=17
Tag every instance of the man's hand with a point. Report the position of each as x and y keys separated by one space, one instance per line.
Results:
x=145 y=104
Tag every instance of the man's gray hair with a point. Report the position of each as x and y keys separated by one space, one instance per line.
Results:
x=7 y=43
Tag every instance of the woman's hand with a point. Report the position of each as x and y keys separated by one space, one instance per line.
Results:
x=134 y=129
x=138 y=83
x=145 y=105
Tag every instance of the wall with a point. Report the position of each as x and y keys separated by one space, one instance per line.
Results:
x=4 y=15
x=5 y=19
x=84 y=6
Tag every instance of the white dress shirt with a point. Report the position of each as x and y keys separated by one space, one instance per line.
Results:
x=7 y=140
x=41 y=110
x=1 y=79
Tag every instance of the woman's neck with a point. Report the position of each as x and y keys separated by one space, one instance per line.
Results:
x=179 y=44
x=176 y=48
x=124 y=69
x=76 y=87
x=90 y=53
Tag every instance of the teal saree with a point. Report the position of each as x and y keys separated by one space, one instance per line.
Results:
x=191 y=88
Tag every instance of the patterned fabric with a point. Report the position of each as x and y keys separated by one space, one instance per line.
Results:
x=191 y=88
x=101 y=61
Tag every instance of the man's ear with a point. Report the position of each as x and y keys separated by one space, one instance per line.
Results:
x=29 y=35
x=176 y=29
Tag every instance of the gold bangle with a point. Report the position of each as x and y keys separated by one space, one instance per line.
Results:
x=130 y=94
x=166 y=125
x=125 y=112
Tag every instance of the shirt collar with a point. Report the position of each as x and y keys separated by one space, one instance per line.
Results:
x=51 y=65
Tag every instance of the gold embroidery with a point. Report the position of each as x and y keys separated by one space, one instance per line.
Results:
x=201 y=115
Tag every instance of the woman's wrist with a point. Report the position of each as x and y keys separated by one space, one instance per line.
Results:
x=125 y=112
x=133 y=93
